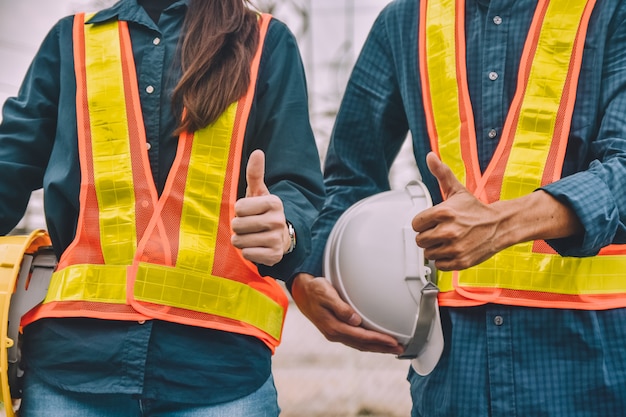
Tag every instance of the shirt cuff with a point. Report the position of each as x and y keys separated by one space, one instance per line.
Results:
x=593 y=203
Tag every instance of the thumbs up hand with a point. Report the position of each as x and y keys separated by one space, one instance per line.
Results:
x=259 y=227
x=459 y=232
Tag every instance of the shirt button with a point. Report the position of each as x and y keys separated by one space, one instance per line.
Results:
x=149 y=89
x=141 y=321
x=148 y=145
x=497 y=20
x=498 y=320
x=156 y=41
x=493 y=75
x=492 y=134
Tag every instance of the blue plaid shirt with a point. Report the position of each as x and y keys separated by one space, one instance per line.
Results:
x=527 y=362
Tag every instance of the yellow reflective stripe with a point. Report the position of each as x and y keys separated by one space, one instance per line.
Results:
x=444 y=281
x=110 y=142
x=209 y=294
x=523 y=270
x=203 y=193
x=538 y=113
x=100 y=283
x=443 y=82
x=169 y=286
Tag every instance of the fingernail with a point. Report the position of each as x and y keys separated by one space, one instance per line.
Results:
x=354 y=320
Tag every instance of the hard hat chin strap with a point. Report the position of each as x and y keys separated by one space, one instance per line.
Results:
x=426 y=317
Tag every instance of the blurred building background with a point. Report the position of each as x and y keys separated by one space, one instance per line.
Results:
x=314 y=377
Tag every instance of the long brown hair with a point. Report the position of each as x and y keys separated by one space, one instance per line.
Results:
x=220 y=38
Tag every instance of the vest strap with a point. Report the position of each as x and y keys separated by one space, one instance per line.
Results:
x=110 y=141
x=208 y=294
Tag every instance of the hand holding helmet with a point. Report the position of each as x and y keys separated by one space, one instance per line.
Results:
x=319 y=301
x=372 y=260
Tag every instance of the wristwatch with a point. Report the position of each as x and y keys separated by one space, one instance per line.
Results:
x=292 y=237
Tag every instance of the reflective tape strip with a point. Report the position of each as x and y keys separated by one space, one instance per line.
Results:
x=542 y=99
x=110 y=142
x=100 y=283
x=517 y=268
x=443 y=82
x=203 y=193
x=209 y=294
x=169 y=286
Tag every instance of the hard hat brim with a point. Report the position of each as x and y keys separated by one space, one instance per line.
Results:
x=427 y=360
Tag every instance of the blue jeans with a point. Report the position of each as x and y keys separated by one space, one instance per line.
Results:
x=43 y=400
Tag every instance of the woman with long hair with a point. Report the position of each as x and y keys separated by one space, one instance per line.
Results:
x=181 y=176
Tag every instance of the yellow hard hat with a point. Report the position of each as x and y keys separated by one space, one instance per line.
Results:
x=26 y=265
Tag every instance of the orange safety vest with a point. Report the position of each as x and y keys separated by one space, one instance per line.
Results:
x=138 y=256
x=530 y=154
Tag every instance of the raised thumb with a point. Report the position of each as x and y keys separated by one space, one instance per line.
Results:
x=448 y=183
x=255 y=175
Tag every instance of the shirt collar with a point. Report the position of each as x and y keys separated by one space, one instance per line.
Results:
x=131 y=11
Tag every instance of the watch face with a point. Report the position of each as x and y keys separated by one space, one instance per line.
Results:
x=292 y=237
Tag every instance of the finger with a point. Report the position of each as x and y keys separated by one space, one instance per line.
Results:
x=423 y=221
x=447 y=181
x=259 y=205
x=365 y=340
x=438 y=253
x=249 y=223
x=318 y=300
x=255 y=175
x=257 y=240
x=339 y=323
x=337 y=306
x=446 y=265
x=424 y=241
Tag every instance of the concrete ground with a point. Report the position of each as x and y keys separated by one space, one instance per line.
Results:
x=315 y=377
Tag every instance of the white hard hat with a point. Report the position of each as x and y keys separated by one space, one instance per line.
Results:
x=371 y=258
